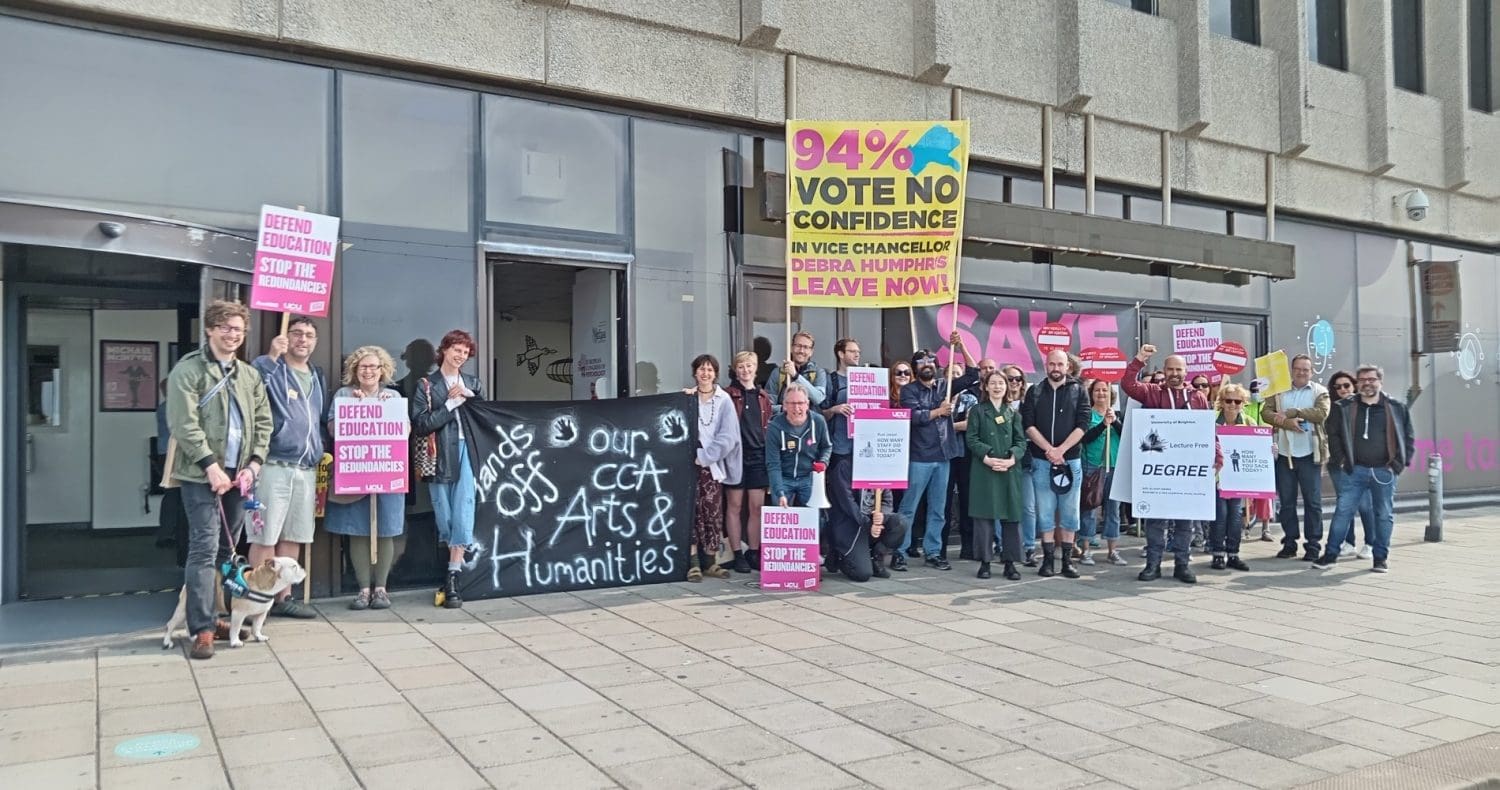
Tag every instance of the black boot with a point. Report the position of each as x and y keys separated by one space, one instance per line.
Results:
x=877 y=566
x=1182 y=574
x=741 y=565
x=1067 y=564
x=1151 y=572
x=451 y=597
x=984 y=570
x=1047 y=560
x=1011 y=572
x=1235 y=563
x=1030 y=558
x=753 y=557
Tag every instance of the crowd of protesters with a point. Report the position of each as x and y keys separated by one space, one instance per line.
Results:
x=1001 y=460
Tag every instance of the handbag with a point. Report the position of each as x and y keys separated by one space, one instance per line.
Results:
x=424 y=448
x=1093 y=493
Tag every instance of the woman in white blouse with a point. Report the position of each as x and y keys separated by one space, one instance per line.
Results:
x=718 y=463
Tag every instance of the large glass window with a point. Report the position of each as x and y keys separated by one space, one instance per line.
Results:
x=552 y=167
x=1327 y=34
x=1406 y=44
x=1238 y=19
x=1482 y=63
x=407 y=153
x=1385 y=331
x=159 y=129
x=1314 y=314
x=680 y=279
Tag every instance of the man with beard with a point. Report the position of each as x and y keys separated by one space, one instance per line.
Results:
x=1301 y=450
x=799 y=370
x=1055 y=414
x=934 y=444
x=1370 y=440
x=1172 y=393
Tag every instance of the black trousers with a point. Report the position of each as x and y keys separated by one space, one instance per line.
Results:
x=958 y=506
x=859 y=564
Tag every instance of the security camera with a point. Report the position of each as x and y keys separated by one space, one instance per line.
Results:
x=1416 y=204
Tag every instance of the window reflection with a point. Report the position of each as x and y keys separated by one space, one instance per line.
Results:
x=550 y=166
x=407 y=153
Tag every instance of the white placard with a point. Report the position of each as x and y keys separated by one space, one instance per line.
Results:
x=882 y=445
x=1171 y=463
x=1249 y=461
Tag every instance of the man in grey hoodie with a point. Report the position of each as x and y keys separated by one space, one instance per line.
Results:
x=288 y=483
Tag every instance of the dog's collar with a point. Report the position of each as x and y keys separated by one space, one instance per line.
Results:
x=258 y=597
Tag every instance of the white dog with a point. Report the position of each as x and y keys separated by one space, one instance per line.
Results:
x=267 y=580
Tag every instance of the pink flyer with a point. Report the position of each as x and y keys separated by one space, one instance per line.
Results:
x=294 y=261
x=370 y=446
x=789 y=556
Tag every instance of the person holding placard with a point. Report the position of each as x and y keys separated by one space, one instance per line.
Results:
x=1172 y=393
x=288 y=483
x=1302 y=444
x=997 y=443
x=369 y=372
x=434 y=410
x=879 y=535
x=797 y=445
x=1101 y=448
x=718 y=459
x=843 y=515
x=933 y=446
x=1229 y=514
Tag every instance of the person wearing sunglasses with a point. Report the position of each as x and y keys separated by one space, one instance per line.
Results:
x=1341 y=387
x=934 y=444
x=1229 y=513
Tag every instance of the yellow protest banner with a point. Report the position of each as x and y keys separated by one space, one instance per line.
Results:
x=1273 y=369
x=875 y=212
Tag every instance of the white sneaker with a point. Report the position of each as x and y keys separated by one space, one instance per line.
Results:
x=1143 y=551
x=1349 y=548
x=1116 y=559
x=1087 y=558
x=1365 y=553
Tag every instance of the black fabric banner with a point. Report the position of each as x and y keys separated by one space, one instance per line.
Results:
x=581 y=494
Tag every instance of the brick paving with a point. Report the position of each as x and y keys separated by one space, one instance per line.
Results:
x=1276 y=678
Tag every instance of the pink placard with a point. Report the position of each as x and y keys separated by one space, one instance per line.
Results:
x=1249 y=461
x=789 y=556
x=370 y=446
x=294 y=261
x=882 y=443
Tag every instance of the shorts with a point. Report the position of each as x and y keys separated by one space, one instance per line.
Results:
x=290 y=496
x=753 y=475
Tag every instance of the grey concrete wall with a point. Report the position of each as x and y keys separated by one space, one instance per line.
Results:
x=1347 y=141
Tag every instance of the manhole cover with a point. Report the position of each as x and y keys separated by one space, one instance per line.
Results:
x=154 y=747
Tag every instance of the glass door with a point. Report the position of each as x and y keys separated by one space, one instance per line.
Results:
x=1247 y=330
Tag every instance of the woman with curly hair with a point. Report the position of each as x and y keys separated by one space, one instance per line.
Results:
x=370 y=373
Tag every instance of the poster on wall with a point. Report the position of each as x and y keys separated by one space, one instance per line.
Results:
x=593 y=334
x=875 y=212
x=1249 y=461
x=882 y=440
x=580 y=495
x=1006 y=329
x=294 y=255
x=789 y=555
x=1172 y=463
x=128 y=372
x=370 y=448
x=1196 y=344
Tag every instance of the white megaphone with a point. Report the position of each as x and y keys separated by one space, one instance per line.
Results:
x=819 y=496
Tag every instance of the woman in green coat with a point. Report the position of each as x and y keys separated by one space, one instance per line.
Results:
x=997 y=444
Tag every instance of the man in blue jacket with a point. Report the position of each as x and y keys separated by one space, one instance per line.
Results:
x=288 y=483
x=796 y=442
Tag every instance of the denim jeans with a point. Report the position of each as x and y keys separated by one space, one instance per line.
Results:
x=1229 y=526
x=453 y=504
x=1028 y=513
x=1087 y=525
x=1049 y=506
x=1380 y=485
x=798 y=492
x=1156 y=540
x=926 y=480
x=1304 y=477
x=1366 y=506
x=207 y=547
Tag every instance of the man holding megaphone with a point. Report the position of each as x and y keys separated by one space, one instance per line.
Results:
x=797 y=445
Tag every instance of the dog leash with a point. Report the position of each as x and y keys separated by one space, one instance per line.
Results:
x=233 y=569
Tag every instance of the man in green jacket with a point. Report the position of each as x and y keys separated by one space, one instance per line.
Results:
x=220 y=422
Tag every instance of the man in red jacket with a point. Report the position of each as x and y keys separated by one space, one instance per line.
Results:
x=1171 y=394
